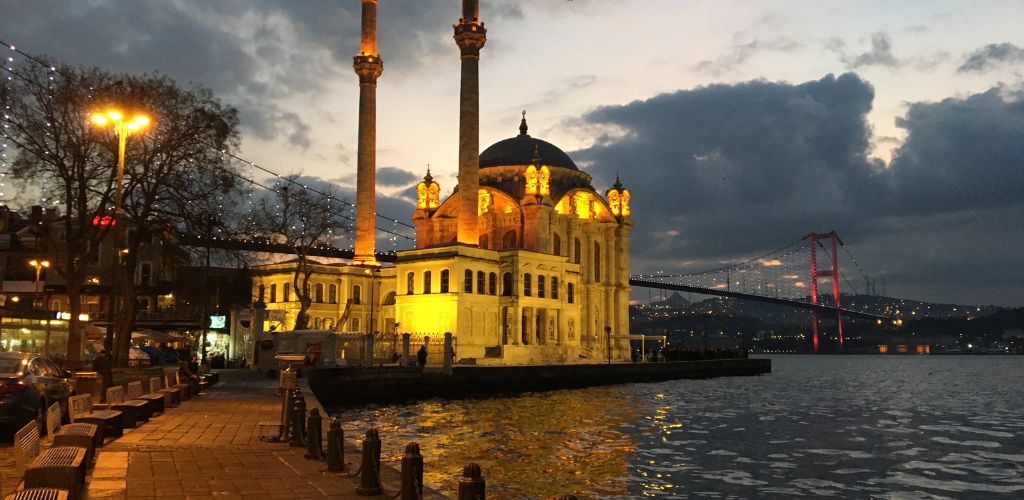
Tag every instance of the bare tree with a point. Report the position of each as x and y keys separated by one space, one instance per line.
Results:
x=302 y=219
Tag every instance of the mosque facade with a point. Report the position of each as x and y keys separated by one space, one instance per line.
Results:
x=524 y=263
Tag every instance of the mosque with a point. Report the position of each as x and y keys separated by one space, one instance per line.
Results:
x=524 y=263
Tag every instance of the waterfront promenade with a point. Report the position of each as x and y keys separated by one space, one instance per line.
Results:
x=209 y=448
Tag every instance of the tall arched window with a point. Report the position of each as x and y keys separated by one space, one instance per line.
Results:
x=540 y=285
x=597 y=261
x=332 y=294
x=506 y=284
x=145 y=274
x=319 y=294
x=357 y=294
x=426 y=281
x=444 y=281
x=569 y=293
x=577 y=251
x=492 y=284
x=273 y=293
x=287 y=292
x=554 y=287
x=481 y=282
x=410 y=283
x=509 y=239
x=467 y=281
x=527 y=285
x=556 y=245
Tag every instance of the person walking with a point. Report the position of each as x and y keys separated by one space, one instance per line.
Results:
x=421 y=356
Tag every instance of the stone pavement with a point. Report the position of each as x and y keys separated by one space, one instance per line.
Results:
x=209 y=448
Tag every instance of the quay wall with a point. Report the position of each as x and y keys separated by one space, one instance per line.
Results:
x=349 y=386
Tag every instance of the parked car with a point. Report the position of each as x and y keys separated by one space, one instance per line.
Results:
x=29 y=383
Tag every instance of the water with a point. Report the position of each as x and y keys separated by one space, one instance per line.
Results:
x=911 y=427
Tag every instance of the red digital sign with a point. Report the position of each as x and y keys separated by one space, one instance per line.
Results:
x=104 y=220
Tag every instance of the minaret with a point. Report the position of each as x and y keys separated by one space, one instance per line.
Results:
x=470 y=36
x=368 y=67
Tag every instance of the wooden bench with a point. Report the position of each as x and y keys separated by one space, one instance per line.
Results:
x=186 y=389
x=78 y=435
x=59 y=467
x=39 y=494
x=155 y=401
x=172 y=396
x=132 y=411
x=108 y=422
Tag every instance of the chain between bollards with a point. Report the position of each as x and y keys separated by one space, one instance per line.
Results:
x=412 y=473
x=369 y=480
x=471 y=484
x=335 y=447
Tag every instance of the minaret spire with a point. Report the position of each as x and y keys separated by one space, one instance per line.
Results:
x=470 y=36
x=368 y=66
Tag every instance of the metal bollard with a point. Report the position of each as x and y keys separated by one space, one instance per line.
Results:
x=314 y=435
x=299 y=421
x=471 y=484
x=335 y=447
x=369 y=481
x=412 y=473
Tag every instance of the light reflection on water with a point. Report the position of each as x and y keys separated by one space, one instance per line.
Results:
x=818 y=426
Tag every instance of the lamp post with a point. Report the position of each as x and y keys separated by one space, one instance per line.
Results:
x=39 y=265
x=122 y=129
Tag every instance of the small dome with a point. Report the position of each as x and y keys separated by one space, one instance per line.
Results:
x=519 y=150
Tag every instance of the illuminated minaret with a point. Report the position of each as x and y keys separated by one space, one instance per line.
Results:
x=368 y=67
x=470 y=36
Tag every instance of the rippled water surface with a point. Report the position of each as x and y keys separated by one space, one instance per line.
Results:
x=841 y=426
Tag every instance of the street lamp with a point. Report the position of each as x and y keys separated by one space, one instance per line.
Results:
x=122 y=129
x=39 y=265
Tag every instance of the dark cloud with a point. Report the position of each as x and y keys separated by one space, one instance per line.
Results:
x=990 y=56
x=879 y=55
x=724 y=172
x=393 y=176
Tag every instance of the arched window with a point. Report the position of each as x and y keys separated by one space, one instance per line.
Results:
x=597 y=261
x=492 y=284
x=484 y=241
x=554 y=287
x=332 y=294
x=506 y=284
x=577 y=251
x=527 y=285
x=273 y=293
x=568 y=292
x=287 y=293
x=145 y=274
x=355 y=324
x=444 y=281
x=410 y=283
x=319 y=293
x=540 y=285
x=389 y=299
x=426 y=281
x=467 y=281
x=357 y=294
x=481 y=282
x=556 y=245
x=509 y=239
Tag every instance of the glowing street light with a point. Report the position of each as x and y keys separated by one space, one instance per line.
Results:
x=39 y=265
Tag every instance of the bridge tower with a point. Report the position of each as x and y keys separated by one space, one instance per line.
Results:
x=831 y=273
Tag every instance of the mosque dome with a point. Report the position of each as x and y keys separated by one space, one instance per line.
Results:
x=520 y=150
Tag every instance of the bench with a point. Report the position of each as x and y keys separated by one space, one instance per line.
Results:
x=132 y=410
x=39 y=494
x=186 y=389
x=59 y=467
x=108 y=422
x=78 y=435
x=155 y=401
x=172 y=396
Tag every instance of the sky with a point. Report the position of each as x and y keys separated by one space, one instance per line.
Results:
x=739 y=126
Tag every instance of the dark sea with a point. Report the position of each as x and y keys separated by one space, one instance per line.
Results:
x=909 y=427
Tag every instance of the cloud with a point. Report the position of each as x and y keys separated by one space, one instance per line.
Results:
x=724 y=172
x=879 y=55
x=740 y=53
x=393 y=176
x=990 y=56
